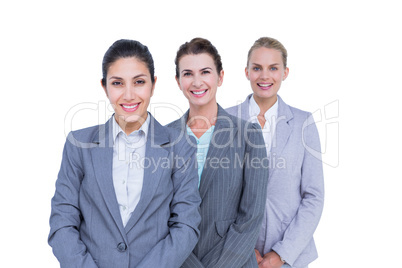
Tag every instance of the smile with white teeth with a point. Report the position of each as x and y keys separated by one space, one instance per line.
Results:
x=264 y=85
x=131 y=106
x=198 y=92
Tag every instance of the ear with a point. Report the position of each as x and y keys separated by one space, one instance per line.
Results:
x=153 y=86
x=104 y=88
x=177 y=81
x=246 y=72
x=286 y=73
x=220 y=80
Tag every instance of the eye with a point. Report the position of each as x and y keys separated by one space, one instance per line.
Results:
x=256 y=68
x=116 y=83
x=274 y=68
x=186 y=74
x=205 y=72
x=139 y=82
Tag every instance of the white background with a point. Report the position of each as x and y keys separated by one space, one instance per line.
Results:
x=343 y=55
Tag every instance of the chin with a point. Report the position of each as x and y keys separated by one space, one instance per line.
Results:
x=197 y=102
x=135 y=117
x=265 y=94
x=129 y=118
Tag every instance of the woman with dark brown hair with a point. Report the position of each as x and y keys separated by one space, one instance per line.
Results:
x=230 y=155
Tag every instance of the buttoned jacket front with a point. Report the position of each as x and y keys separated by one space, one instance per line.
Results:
x=86 y=226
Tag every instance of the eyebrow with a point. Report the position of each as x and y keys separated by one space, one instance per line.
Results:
x=116 y=77
x=203 y=69
x=269 y=65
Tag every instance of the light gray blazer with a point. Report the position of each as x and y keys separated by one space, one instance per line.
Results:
x=86 y=229
x=295 y=196
x=233 y=194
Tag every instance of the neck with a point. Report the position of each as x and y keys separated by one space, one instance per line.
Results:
x=265 y=103
x=130 y=127
x=202 y=117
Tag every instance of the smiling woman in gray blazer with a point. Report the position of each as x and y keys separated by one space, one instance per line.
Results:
x=126 y=194
x=295 y=194
x=230 y=155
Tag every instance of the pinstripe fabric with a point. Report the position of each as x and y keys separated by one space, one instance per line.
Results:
x=233 y=192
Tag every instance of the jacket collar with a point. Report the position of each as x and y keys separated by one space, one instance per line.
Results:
x=283 y=109
x=223 y=136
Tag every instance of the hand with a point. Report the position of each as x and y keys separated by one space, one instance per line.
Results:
x=258 y=256
x=271 y=260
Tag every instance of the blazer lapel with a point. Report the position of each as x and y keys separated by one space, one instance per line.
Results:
x=283 y=127
x=154 y=154
x=282 y=132
x=102 y=159
x=222 y=138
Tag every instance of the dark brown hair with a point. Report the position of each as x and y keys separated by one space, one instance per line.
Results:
x=125 y=48
x=197 y=46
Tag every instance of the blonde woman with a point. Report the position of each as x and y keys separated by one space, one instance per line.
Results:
x=295 y=192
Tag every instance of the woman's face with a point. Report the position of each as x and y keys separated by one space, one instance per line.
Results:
x=129 y=89
x=266 y=72
x=198 y=79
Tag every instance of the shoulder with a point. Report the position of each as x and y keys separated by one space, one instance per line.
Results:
x=237 y=121
x=179 y=141
x=84 y=138
x=90 y=136
x=298 y=113
x=298 y=116
x=172 y=132
x=240 y=110
x=303 y=124
x=78 y=141
x=86 y=134
x=234 y=110
x=301 y=118
x=177 y=124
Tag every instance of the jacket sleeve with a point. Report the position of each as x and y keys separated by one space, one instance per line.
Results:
x=185 y=217
x=237 y=247
x=301 y=229
x=65 y=216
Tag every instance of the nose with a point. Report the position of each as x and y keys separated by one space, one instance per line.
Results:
x=265 y=74
x=129 y=93
x=197 y=81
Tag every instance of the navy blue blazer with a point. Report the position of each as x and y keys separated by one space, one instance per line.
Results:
x=86 y=226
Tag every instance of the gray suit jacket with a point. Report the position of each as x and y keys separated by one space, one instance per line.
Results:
x=233 y=191
x=295 y=196
x=86 y=226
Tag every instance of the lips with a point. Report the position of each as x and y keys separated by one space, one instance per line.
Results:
x=265 y=86
x=199 y=93
x=130 y=107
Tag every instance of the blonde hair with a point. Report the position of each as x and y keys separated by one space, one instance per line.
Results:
x=269 y=42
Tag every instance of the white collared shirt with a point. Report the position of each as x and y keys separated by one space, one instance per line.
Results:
x=128 y=167
x=268 y=131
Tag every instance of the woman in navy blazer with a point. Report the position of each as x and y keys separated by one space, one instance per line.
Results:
x=295 y=195
x=231 y=161
x=126 y=194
